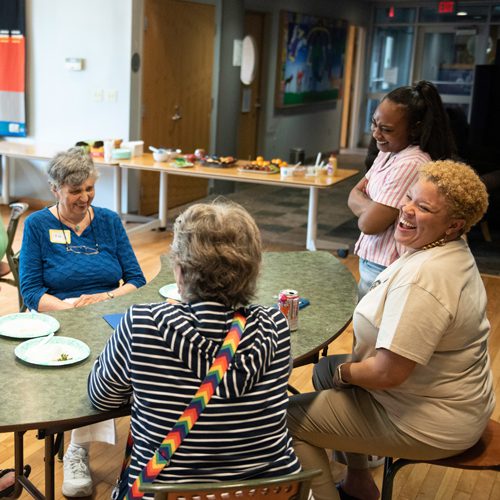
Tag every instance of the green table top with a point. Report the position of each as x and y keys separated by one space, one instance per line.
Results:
x=48 y=397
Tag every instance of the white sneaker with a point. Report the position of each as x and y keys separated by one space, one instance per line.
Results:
x=77 y=480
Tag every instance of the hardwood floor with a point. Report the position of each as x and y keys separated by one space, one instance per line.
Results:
x=418 y=481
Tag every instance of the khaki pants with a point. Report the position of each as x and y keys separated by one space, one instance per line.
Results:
x=348 y=420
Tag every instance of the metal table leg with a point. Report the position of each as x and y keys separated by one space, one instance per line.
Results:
x=312 y=219
x=18 y=460
x=5 y=180
x=49 y=467
x=162 y=203
x=118 y=189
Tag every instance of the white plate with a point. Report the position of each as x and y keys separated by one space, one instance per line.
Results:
x=170 y=291
x=27 y=325
x=50 y=353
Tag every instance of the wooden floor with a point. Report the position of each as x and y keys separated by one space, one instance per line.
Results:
x=419 y=481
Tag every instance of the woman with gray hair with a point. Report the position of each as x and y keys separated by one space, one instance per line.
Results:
x=74 y=254
x=161 y=352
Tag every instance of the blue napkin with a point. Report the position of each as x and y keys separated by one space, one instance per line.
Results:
x=113 y=319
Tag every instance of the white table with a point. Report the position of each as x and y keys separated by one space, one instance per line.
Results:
x=11 y=150
x=312 y=183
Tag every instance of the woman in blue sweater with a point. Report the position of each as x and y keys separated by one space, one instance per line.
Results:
x=74 y=254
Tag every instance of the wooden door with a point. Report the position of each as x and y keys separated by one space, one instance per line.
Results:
x=177 y=83
x=251 y=94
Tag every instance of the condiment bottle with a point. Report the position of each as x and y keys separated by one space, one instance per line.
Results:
x=332 y=165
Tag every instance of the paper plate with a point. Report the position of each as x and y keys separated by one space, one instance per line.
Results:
x=170 y=292
x=27 y=325
x=54 y=352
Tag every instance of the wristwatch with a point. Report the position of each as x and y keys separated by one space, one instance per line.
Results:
x=111 y=295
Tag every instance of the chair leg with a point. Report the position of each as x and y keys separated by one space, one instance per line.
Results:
x=390 y=470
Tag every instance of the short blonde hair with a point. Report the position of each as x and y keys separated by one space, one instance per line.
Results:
x=218 y=248
x=464 y=191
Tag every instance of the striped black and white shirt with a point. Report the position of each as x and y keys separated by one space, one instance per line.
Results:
x=160 y=353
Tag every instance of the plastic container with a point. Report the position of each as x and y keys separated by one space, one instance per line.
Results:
x=109 y=145
x=136 y=147
x=121 y=154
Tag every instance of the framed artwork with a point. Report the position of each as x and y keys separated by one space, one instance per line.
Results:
x=310 y=59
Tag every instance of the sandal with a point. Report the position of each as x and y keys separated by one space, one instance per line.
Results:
x=6 y=492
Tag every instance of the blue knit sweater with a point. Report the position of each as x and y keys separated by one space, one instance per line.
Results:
x=48 y=267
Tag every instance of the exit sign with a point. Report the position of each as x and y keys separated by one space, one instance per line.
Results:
x=446 y=7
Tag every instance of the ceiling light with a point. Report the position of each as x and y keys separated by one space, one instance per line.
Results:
x=462 y=13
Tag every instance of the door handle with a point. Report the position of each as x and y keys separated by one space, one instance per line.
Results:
x=176 y=116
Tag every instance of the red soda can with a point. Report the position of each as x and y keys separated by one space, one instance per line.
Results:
x=288 y=303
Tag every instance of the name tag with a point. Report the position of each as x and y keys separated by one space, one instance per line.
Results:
x=60 y=236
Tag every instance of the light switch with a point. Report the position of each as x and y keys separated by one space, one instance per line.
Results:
x=73 y=64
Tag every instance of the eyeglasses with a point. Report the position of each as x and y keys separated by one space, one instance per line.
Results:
x=83 y=249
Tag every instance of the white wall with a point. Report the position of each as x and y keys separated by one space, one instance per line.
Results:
x=65 y=106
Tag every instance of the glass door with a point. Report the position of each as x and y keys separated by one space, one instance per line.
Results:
x=447 y=56
x=390 y=67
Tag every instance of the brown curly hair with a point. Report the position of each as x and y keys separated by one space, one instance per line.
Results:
x=464 y=191
x=218 y=248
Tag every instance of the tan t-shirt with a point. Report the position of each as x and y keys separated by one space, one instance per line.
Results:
x=430 y=307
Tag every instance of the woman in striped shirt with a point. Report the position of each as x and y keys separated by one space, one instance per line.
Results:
x=160 y=353
x=411 y=127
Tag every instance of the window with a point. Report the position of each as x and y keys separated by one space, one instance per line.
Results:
x=391 y=57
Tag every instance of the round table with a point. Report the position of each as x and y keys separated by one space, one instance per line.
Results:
x=54 y=399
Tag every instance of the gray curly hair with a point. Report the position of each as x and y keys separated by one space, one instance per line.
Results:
x=219 y=251
x=72 y=167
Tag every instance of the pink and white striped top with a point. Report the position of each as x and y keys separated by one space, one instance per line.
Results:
x=389 y=180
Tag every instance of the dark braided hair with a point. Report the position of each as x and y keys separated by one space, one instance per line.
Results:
x=427 y=119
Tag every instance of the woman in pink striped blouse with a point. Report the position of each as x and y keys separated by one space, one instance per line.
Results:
x=411 y=127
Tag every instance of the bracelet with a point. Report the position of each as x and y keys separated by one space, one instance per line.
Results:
x=341 y=383
x=111 y=295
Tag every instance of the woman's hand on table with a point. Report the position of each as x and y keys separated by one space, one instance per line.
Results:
x=85 y=300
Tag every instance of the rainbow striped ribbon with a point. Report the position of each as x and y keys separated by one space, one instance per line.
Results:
x=181 y=429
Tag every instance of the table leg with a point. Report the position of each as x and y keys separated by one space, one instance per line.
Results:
x=49 y=467
x=5 y=180
x=162 y=201
x=312 y=219
x=18 y=460
x=118 y=189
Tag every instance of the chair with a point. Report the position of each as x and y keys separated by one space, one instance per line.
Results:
x=289 y=487
x=13 y=257
x=484 y=455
